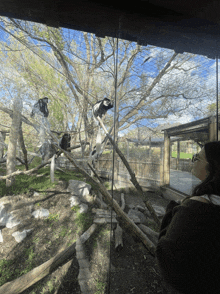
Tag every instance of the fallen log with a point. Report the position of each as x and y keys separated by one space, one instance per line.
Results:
x=52 y=168
x=118 y=230
x=99 y=203
x=152 y=235
x=24 y=282
x=20 y=172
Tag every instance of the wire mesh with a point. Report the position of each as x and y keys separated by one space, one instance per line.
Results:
x=156 y=89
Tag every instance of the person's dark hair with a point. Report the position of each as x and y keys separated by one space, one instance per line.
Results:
x=211 y=185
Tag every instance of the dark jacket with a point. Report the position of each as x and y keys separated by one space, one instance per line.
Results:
x=188 y=249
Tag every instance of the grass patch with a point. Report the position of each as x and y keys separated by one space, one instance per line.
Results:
x=5 y=271
x=40 y=181
x=23 y=183
x=182 y=155
x=83 y=220
x=100 y=287
x=29 y=252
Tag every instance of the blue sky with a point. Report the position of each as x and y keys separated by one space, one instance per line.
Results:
x=205 y=74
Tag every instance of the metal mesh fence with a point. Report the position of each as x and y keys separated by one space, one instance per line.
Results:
x=153 y=90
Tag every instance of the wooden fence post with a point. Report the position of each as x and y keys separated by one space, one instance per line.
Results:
x=166 y=161
x=212 y=129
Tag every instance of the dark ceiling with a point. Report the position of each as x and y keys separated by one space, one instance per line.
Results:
x=183 y=25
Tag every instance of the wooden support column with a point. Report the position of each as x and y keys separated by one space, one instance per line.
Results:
x=212 y=129
x=166 y=161
x=127 y=150
x=161 y=166
x=178 y=155
x=149 y=146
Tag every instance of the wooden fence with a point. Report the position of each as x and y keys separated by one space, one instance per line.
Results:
x=147 y=173
x=182 y=164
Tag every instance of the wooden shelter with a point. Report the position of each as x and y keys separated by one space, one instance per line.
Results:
x=200 y=131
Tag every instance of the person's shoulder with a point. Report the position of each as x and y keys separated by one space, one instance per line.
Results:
x=200 y=199
x=212 y=199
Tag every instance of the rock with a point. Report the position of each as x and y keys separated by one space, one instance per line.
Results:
x=141 y=208
x=12 y=222
x=159 y=210
x=137 y=216
x=7 y=219
x=104 y=220
x=19 y=236
x=131 y=206
x=41 y=213
x=133 y=216
x=80 y=189
x=3 y=216
x=1 y=238
x=36 y=194
x=74 y=201
x=83 y=208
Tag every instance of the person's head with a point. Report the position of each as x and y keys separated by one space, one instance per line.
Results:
x=200 y=165
x=206 y=167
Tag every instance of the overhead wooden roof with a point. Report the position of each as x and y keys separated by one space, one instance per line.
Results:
x=184 y=26
x=197 y=130
x=154 y=142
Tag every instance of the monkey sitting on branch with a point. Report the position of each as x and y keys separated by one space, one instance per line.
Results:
x=99 y=109
x=42 y=113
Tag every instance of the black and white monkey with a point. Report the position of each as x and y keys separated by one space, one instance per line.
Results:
x=65 y=142
x=47 y=149
x=42 y=112
x=41 y=107
x=99 y=110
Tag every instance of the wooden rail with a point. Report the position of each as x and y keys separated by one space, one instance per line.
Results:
x=147 y=171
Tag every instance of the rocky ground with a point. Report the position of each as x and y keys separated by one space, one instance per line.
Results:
x=132 y=269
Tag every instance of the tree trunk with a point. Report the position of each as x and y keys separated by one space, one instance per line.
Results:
x=2 y=143
x=22 y=145
x=52 y=168
x=13 y=138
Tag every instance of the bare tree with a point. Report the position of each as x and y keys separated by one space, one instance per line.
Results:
x=13 y=138
x=86 y=66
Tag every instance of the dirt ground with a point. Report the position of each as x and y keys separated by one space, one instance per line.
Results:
x=133 y=269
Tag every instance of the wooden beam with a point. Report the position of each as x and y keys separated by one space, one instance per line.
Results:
x=212 y=129
x=178 y=155
x=166 y=161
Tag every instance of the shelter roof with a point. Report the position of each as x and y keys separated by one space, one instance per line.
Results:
x=183 y=26
x=197 y=130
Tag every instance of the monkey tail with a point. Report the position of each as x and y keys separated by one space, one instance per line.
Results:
x=98 y=141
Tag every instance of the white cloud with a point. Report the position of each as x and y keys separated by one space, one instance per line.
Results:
x=185 y=118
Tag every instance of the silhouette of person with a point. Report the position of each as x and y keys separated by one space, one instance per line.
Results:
x=188 y=249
